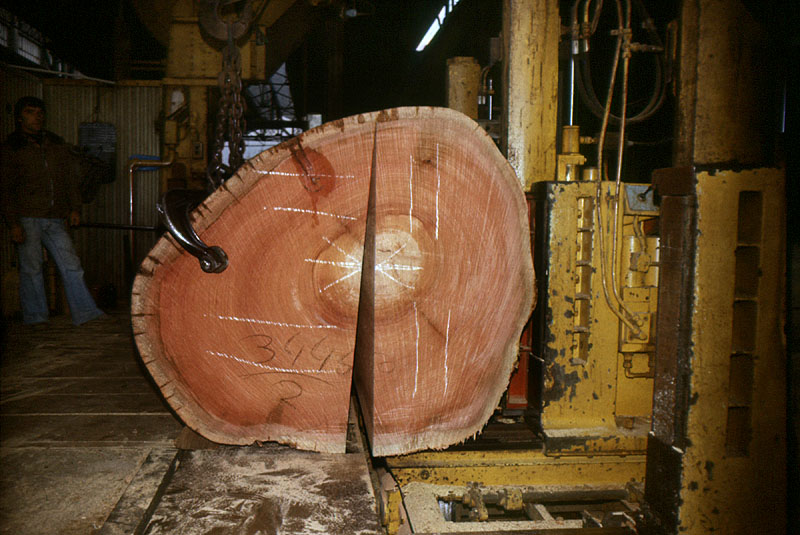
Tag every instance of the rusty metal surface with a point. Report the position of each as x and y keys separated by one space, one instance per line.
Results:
x=737 y=439
x=531 y=29
x=719 y=435
x=725 y=105
x=518 y=509
x=133 y=108
x=596 y=385
x=578 y=391
x=518 y=467
x=552 y=531
x=677 y=224
x=272 y=489
x=223 y=29
x=670 y=390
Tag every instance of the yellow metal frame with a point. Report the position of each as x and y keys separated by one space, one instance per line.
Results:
x=734 y=469
x=515 y=467
x=598 y=393
x=596 y=434
x=193 y=67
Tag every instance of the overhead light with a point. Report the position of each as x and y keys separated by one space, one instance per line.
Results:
x=352 y=11
x=447 y=8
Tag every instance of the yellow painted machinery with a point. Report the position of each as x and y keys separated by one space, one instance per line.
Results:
x=655 y=356
x=203 y=59
x=649 y=396
x=579 y=453
x=595 y=337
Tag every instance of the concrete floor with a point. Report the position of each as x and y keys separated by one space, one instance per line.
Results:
x=87 y=446
x=78 y=418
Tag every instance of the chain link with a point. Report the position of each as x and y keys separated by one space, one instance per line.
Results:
x=230 y=117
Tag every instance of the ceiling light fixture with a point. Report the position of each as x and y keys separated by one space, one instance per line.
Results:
x=447 y=8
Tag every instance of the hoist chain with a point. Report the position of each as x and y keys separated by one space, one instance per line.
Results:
x=230 y=117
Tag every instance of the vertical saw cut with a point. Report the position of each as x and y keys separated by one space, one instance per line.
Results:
x=389 y=251
x=452 y=282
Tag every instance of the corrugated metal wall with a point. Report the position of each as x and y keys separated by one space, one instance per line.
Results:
x=134 y=111
x=14 y=84
x=133 y=108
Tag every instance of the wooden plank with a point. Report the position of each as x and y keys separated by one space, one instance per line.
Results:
x=87 y=430
x=64 y=490
x=75 y=403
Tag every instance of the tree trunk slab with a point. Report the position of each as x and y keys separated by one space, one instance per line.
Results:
x=388 y=250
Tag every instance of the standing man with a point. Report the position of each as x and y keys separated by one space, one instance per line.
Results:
x=40 y=191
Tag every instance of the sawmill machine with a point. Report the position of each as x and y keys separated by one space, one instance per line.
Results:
x=649 y=392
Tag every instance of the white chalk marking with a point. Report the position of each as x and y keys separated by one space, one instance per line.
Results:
x=398 y=267
x=354 y=265
x=416 y=370
x=410 y=190
x=264 y=366
x=281 y=173
x=275 y=323
x=438 y=186
x=446 y=344
x=348 y=255
x=395 y=253
x=304 y=211
x=340 y=279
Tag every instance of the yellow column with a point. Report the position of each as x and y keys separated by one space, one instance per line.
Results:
x=463 y=84
x=531 y=30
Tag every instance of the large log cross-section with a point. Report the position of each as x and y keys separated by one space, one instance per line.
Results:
x=389 y=251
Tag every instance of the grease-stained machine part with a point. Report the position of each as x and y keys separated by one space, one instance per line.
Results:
x=173 y=208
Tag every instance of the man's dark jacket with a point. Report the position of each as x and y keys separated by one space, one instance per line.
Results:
x=38 y=179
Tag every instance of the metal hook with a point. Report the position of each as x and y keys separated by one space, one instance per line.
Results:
x=174 y=208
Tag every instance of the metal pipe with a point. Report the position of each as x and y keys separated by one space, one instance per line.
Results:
x=571 y=107
x=623 y=316
x=573 y=51
x=114 y=226
x=626 y=55
x=132 y=166
x=489 y=99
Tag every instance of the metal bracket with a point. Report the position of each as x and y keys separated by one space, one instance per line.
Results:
x=174 y=208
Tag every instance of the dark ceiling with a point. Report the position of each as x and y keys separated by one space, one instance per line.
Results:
x=379 y=67
x=87 y=33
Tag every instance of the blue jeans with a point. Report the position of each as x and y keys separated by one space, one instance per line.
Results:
x=53 y=234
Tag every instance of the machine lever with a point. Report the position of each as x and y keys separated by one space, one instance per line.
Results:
x=174 y=208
